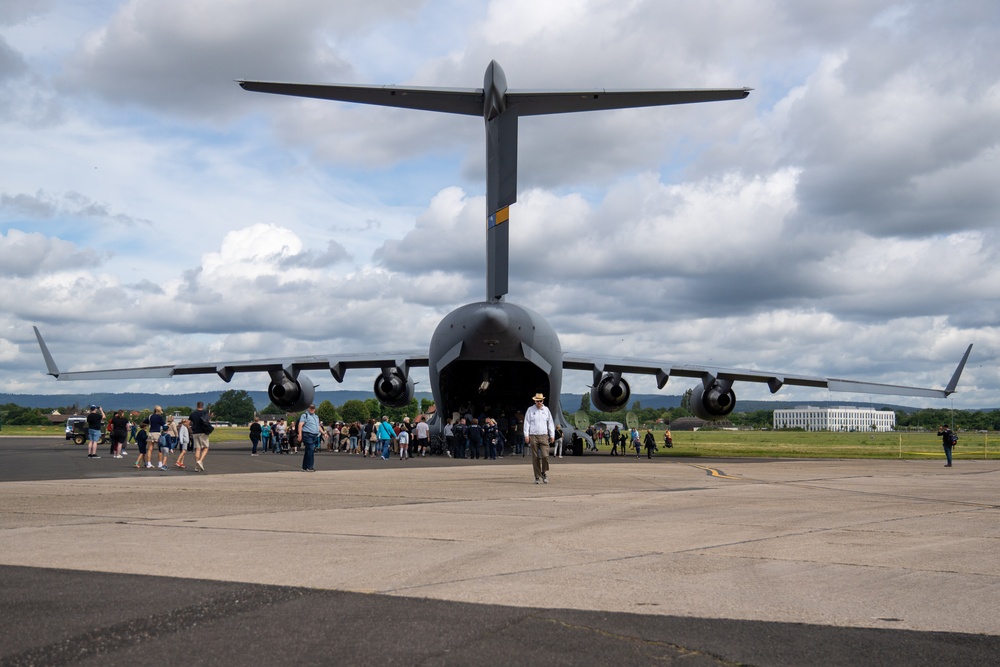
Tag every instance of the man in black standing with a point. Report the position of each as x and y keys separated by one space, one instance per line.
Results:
x=947 y=441
x=95 y=418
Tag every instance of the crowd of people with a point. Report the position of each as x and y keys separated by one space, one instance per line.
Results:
x=467 y=438
x=169 y=438
x=160 y=436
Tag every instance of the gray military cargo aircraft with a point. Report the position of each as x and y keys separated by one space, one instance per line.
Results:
x=492 y=356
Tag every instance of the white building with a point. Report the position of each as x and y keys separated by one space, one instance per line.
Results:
x=841 y=418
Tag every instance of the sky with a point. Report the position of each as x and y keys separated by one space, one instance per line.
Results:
x=841 y=221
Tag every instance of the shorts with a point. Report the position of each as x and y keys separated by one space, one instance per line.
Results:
x=119 y=437
x=94 y=435
x=200 y=440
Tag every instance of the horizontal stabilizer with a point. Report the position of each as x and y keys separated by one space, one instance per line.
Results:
x=465 y=101
x=470 y=101
x=534 y=103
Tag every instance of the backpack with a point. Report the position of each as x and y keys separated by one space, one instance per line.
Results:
x=953 y=438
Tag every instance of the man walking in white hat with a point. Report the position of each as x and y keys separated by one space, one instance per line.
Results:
x=539 y=433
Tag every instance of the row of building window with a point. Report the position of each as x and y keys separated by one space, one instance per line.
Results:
x=846 y=418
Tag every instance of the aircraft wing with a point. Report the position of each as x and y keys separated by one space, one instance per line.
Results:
x=337 y=365
x=664 y=370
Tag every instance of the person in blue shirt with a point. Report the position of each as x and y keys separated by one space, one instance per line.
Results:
x=308 y=433
x=385 y=436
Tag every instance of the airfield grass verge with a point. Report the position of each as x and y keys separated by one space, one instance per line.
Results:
x=736 y=444
x=822 y=444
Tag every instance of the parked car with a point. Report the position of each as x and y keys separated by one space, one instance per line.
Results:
x=71 y=425
x=76 y=430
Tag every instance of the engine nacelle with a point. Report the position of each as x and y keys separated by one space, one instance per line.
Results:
x=291 y=395
x=713 y=403
x=610 y=394
x=393 y=389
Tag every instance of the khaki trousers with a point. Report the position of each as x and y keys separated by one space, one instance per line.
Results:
x=539 y=455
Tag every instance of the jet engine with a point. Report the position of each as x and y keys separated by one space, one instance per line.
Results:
x=291 y=394
x=713 y=403
x=393 y=389
x=610 y=393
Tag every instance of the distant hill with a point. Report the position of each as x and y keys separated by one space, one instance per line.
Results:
x=570 y=402
x=140 y=401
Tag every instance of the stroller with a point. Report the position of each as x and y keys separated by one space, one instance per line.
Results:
x=283 y=444
x=438 y=446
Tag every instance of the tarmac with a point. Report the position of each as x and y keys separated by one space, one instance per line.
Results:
x=436 y=561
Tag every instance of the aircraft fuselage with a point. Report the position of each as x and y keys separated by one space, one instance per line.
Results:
x=490 y=358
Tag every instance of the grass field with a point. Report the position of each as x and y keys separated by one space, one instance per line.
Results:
x=765 y=444
x=795 y=444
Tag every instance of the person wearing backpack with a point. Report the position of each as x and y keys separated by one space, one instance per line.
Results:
x=948 y=440
x=201 y=428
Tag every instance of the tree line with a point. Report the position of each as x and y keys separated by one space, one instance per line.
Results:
x=237 y=407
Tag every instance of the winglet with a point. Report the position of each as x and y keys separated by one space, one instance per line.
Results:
x=49 y=361
x=950 y=389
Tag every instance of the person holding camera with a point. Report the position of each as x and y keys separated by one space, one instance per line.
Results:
x=948 y=440
x=94 y=420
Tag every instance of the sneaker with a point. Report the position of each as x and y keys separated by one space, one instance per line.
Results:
x=201 y=466
x=536 y=480
x=149 y=465
x=179 y=465
x=310 y=470
x=545 y=479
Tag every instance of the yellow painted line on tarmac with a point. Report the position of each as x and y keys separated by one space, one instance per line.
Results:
x=713 y=472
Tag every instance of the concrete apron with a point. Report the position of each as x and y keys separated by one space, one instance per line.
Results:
x=889 y=544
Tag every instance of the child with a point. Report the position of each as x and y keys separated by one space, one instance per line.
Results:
x=141 y=438
x=404 y=444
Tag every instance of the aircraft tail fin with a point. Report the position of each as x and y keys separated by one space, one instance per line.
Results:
x=49 y=361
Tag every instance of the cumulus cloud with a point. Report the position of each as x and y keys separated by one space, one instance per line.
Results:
x=44 y=206
x=11 y=62
x=23 y=255
x=183 y=57
x=15 y=11
x=840 y=221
